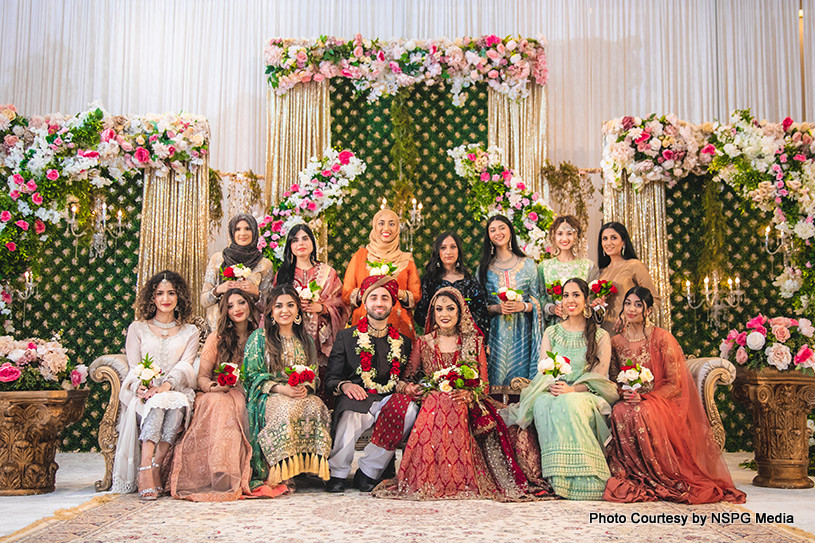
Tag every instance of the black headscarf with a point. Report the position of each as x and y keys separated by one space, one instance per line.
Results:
x=248 y=255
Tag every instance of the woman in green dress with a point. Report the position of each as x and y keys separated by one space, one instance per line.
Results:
x=289 y=426
x=566 y=237
x=570 y=413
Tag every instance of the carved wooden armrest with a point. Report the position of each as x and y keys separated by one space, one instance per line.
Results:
x=519 y=383
x=709 y=373
x=111 y=368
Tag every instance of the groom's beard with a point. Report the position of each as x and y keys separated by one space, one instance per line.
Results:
x=379 y=315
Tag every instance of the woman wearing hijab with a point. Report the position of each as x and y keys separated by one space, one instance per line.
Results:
x=384 y=248
x=242 y=252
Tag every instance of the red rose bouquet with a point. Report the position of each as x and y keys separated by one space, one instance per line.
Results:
x=227 y=374
x=601 y=288
x=300 y=374
x=464 y=376
x=235 y=272
x=555 y=290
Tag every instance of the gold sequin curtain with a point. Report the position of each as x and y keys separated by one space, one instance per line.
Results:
x=174 y=226
x=643 y=214
x=298 y=127
x=518 y=127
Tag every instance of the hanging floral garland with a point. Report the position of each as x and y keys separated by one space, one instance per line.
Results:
x=495 y=189
x=380 y=68
x=322 y=188
x=46 y=159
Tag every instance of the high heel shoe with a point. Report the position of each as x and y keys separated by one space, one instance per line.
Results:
x=147 y=494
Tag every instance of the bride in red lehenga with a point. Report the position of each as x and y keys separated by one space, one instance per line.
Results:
x=662 y=447
x=458 y=448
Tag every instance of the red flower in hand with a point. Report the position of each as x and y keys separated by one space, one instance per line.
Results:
x=626 y=368
x=613 y=289
x=231 y=379
x=222 y=380
x=595 y=288
x=229 y=272
x=557 y=289
x=294 y=379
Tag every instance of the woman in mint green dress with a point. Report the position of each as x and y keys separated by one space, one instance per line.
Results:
x=565 y=235
x=570 y=413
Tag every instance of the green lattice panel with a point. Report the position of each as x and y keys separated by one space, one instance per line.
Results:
x=745 y=257
x=91 y=302
x=366 y=129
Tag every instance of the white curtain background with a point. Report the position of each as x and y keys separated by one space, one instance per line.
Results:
x=696 y=58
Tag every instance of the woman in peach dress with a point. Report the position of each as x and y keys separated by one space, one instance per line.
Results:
x=212 y=461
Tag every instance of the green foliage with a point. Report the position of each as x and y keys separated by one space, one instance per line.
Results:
x=566 y=185
x=404 y=152
x=216 y=209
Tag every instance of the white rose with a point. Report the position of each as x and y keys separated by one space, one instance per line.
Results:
x=511 y=45
x=515 y=59
x=15 y=355
x=546 y=364
x=444 y=386
x=646 y=376
x=566 y=368
x=621 y=377
x=512 y=295
x=755 y=340
x=778 y=355
x=591 y=285
x=632 y=374
x=805 y=327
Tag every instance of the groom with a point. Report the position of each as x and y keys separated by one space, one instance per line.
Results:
x=363 y=371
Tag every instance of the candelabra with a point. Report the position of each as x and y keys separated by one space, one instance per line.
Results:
x=28 y=290
x=412 y=223
x=101 y=229
x=714 y=300
x=783 y=245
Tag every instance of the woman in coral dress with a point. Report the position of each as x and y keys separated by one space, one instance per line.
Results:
x=384 y=247
x=662 y=447
x=212 y=462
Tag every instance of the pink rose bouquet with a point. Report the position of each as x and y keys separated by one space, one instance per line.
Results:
x=782 y=343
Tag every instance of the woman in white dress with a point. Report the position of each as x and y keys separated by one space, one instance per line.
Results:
x=153 y=415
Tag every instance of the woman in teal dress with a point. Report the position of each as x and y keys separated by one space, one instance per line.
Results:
x=565 y=235
x=516 y=325
x=570 y=414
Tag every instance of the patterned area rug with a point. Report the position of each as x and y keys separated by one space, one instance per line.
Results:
x=311 y=515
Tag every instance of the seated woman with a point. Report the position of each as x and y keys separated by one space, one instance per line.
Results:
x=243 y=249
x=454 y=426
x=325 y=315
x=662 y=447
x=570 y=413
x=288 y=425
x=152 y=415
x=383 y=247
x=446 y=268
x=212 y=462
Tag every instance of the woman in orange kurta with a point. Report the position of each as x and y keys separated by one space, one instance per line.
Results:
x=384 y=247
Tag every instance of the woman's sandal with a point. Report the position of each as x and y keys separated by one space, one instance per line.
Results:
x=147 y=494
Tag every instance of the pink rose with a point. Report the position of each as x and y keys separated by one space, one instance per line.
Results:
x=520 y=186
x=805 y=327
x=533 y=216
x=708 y=149
x=506 y=174
x=52 y=175
x=780 y=321
x=493 y=74
x=108 y=134
x=127 y=146
x=358 y=51
x=153 y=138
x=14 y=195
x=628 y=122
x=786 y=123
x=336 y=167
x=805 y=357
x=142 y=155
x=326 y=173
x=295 y=188
x=39 y=226
x=485 y=176
x=312 y=206
x=11 y=246
x=5 y=216
x=799 y=157
x=9 y=373
x=756 y=321
x=277 y=226
x=741 y=356
x=22 y=224
x=644 y=137
x=19 y=179
x=11 y=140
x=741 y=339
x=779 y=356
x=36 y=198
x=472 y=157
x=781 y=333
x=317 y=193
x=31 y=186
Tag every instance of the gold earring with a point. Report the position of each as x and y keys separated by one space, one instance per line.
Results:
x=587 y=312
x=271 y=320
x=556 y=251
x=298 y=319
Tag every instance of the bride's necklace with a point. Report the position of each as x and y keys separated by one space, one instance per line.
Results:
x=632 y=339
x=165 y=327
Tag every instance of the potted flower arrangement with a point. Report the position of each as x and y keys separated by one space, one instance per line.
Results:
x=39 y=397
x=775 y=359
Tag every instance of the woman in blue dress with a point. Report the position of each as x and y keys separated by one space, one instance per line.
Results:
x=516 y=324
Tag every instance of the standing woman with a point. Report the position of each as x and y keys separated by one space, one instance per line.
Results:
x=619 y=265
x=516 y=325
x=384 y=247
x=570 y=413
x=565 y=235
x=212 y=462
x=327 y=314
x=662 y=447
x=243 y=231
x=288 y=424
x=446 y=268
x=153 y=415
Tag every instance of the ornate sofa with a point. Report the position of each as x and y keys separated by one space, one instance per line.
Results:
x=113 y=368
x=708 y=373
